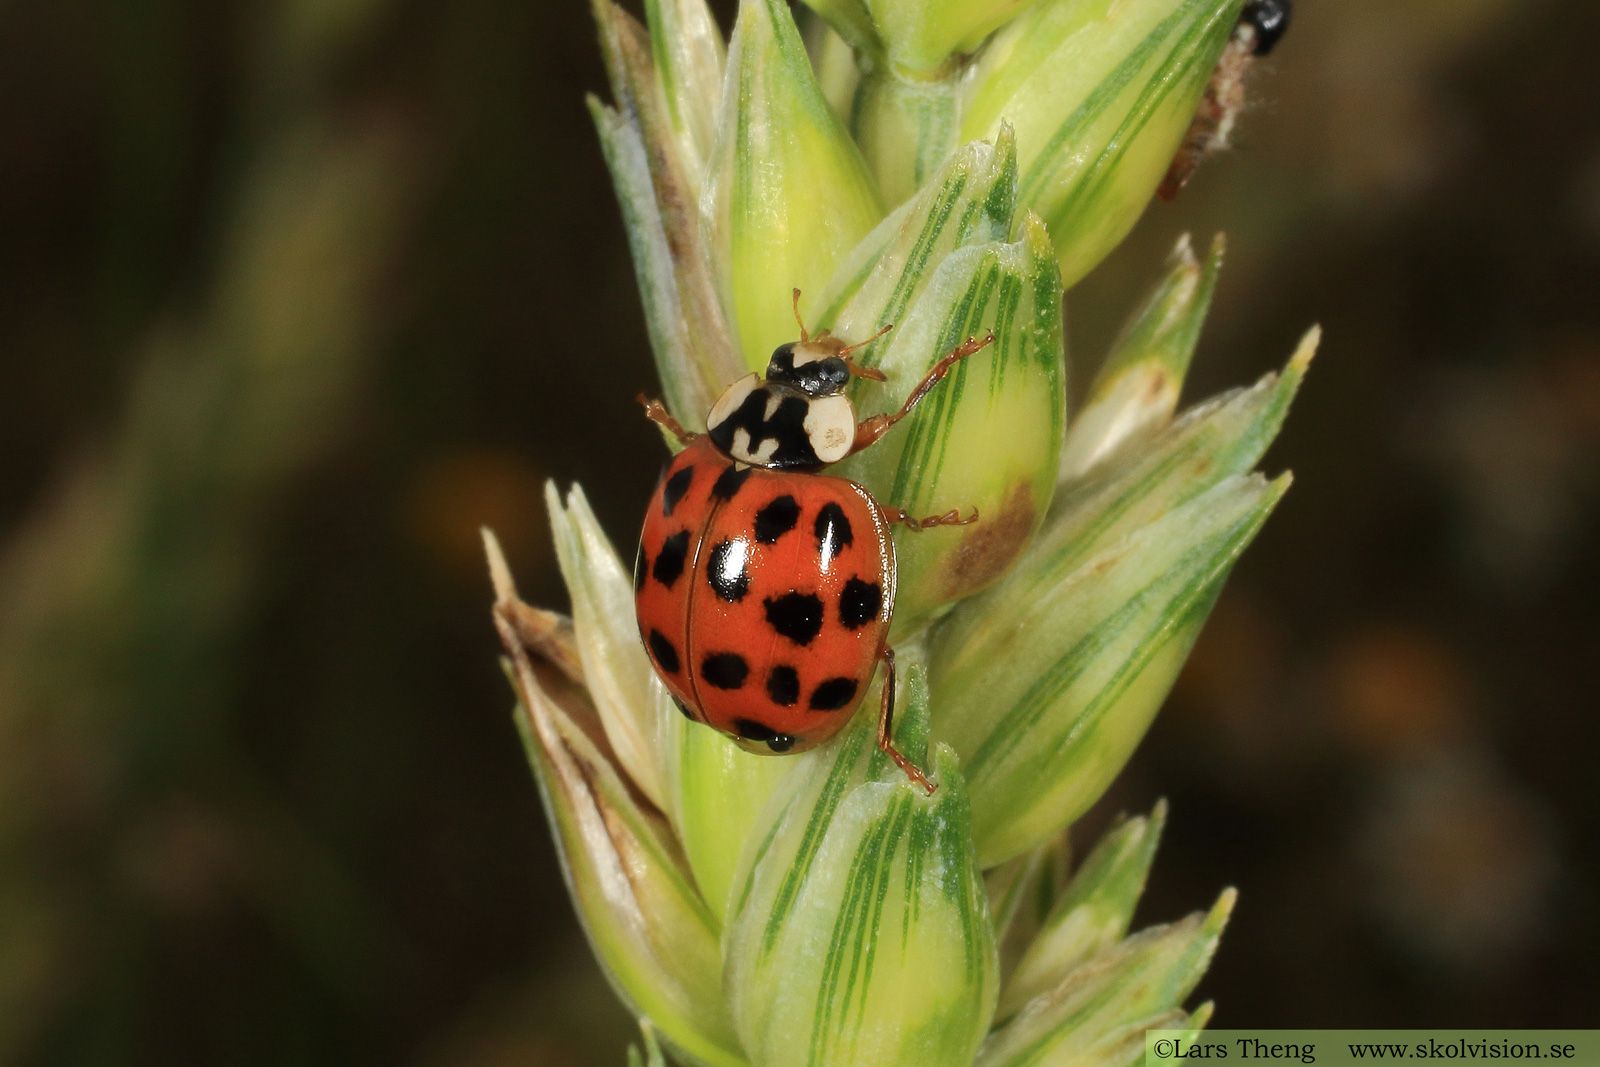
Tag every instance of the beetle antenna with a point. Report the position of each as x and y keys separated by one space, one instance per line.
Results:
x=862 y=344
x=804 y=337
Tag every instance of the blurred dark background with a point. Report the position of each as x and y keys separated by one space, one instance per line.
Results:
x=295 y=294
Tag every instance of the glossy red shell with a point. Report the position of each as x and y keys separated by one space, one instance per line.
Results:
x=763 y=597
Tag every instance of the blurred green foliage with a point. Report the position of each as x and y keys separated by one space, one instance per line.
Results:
x=295 y=295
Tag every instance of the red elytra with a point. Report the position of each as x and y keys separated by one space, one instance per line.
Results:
x=764 y=598
x=764 y=590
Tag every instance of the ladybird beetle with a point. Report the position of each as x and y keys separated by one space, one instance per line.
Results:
x=764 y=589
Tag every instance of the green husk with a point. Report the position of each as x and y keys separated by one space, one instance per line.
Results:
x=988 y=437
x=1046 y=701
x=787 y=195
x=654 y=936
x=861 y=901
x=1098 y=1013
x=1100 y=94
x=690 y=58
x=655 y=168
x=906 y=127
x=1092 y=915
x=1136 y=391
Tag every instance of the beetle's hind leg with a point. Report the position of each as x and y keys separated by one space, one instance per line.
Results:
x=949 y=518
x=886 y=726
x=657 y=413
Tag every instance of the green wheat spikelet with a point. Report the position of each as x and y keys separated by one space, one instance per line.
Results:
x=949 y=167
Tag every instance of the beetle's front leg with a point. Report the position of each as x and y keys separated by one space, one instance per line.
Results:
x=657 y=413
x=869 y=430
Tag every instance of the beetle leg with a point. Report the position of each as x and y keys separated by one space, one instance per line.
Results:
x=869 y=430
x=949 y=518
x=886 y=726
x=657 y=413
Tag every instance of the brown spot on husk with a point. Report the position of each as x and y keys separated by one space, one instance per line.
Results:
x=1156 y=385
x=991 y=545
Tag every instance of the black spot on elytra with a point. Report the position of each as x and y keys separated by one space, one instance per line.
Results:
x=797 y=616
x=833 y=532
x=751 y=730
x=776 y=519
x=729 y=483
x=673 y=491
x=641 y=568
x=725 y=571
x=666 y=656
x=725 y=670
x=833 y=694
x=783 y=686
x=669 y=564
x=859 y=603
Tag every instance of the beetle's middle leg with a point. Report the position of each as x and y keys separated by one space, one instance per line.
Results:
x=949 y=518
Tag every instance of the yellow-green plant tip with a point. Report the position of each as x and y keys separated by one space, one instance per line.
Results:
x=1100 y=95
x=653 y=1056
x=689 y=59
x=787 y=195
x=988 y=437
x=906 y=128
x=865 y=937
x=717 y=793
x=1200 y=1018
x=1092 y=1014
x=923 y=36
x=683 y=390
x=1125 y=1045
x=1092 y=914
x=852 y=22
x=655 y=182
x=1221 y=912
x=694 y=352
x=616 y=670
x=1047 y=703
x=1223 y=436
x=1136 y=390
x=654 y=936
x=972 y=200
x=1304 y=353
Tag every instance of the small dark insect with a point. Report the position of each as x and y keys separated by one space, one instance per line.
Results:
x=1261 y=25
x=1270 y=19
